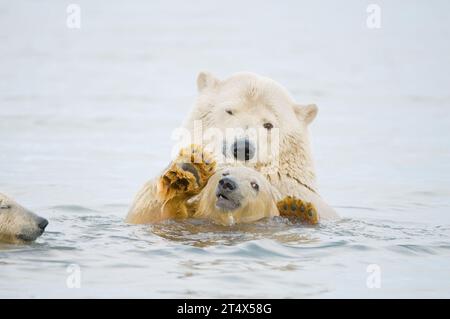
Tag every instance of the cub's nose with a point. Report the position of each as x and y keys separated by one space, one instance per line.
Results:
x=42 y=223
x=243 y=149
x=227 y=184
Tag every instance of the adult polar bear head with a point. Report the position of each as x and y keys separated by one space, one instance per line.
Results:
x=17 y=224
x=253 y=120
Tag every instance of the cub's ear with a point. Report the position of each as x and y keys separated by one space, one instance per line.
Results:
x=306 y=113
x=206 y=80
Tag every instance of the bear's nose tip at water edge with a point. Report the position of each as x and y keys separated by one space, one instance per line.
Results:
x=42 y=223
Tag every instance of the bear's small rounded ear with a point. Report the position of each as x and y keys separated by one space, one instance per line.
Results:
x=306 y=113
x=206 y=80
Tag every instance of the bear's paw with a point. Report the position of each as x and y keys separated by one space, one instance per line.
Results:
x=187 y=174
x=296 y=209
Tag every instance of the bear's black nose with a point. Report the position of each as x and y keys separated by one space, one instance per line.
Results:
x=42 y=223
x=227 y=184
x=243 y=149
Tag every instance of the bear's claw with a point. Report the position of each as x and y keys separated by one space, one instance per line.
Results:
x=292 y=207
x=187 y=174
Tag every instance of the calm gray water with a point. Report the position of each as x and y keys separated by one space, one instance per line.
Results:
x=86 y=117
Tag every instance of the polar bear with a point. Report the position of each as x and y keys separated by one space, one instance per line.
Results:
x=191 y=187
x=17 y=224
x=249 y=103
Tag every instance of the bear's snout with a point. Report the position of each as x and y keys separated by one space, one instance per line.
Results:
x=227 y=184
x=33 y=231
x=243 y=149
x=227 y=194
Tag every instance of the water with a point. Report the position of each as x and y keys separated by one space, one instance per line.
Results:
x=86 y=118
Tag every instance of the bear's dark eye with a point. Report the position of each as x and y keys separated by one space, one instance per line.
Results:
x=255 y=186
x=229 y=112
x=268 y=125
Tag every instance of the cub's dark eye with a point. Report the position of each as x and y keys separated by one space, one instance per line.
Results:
x=229 y=112
x=268 y=126
x=255 y=186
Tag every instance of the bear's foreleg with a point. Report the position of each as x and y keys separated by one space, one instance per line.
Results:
x=185 y=177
